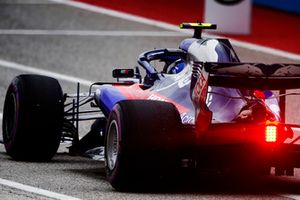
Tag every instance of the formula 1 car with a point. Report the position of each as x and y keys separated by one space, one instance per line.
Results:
x=196 y=107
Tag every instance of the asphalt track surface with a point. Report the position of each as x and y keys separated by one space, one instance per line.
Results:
x=63 y=40
x=281 y=32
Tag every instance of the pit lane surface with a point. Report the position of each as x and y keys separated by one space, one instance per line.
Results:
x=87 y=45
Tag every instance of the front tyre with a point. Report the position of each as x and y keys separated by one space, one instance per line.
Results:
x=33 y=117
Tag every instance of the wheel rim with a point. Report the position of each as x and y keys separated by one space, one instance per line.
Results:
x=10 y=117
x=112 y=145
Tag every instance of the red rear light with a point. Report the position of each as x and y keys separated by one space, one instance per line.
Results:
x=271 y=133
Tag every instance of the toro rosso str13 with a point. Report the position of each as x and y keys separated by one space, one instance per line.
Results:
x=196 y=107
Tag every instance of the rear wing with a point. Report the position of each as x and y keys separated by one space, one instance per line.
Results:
x=251 y=75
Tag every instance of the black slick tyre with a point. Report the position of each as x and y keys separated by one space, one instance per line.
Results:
x=33 y=118
x=140 y=140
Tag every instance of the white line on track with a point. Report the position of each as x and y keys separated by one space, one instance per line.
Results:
x=35 y=190
x=12 y=184
x=268 y=50
x=30 y=69
x=171 y=27
x=90 y=33
x=167 y=26
x=291 y=196
x=28 y=2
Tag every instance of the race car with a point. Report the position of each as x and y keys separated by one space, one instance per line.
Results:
x=196 y=107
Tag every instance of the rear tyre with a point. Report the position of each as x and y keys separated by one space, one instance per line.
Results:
x=33 y=117
x=140 y=141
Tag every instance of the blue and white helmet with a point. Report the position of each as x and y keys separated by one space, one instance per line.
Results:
x=176 y=67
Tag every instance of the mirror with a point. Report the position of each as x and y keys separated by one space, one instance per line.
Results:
x=123 y=73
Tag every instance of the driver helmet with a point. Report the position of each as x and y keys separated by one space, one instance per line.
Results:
x=176 y=67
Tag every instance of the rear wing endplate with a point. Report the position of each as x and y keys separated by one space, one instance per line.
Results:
x=249 y=76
